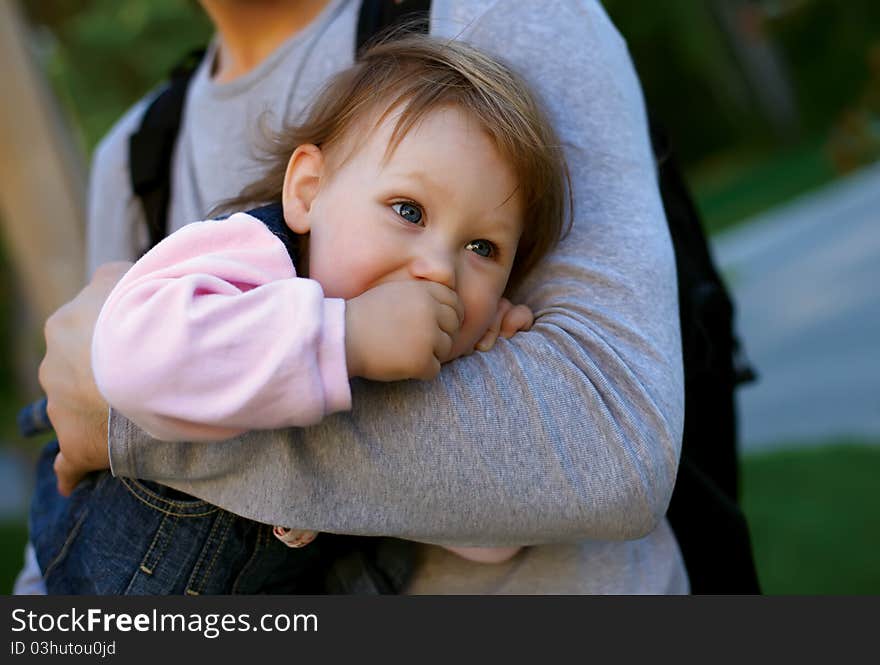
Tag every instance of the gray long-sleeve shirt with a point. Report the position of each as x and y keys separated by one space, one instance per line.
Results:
x=566 y=437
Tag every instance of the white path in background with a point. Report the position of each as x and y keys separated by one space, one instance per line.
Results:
x=806 y=280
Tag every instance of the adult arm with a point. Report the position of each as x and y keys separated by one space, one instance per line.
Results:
x=566 y=432
x=211 y=334
x=75 y=407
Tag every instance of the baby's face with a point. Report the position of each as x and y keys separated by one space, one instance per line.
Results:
x=443 y=208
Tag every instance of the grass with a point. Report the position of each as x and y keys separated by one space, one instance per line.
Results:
x=13 y=535
x=733 y=187
x=814 y=515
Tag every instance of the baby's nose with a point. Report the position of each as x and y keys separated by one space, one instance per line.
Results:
x=436 y=266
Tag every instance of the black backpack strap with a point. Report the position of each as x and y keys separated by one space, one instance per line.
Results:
x=704 y=514
x=713 y=360
x=377 y=16
x=151 y=147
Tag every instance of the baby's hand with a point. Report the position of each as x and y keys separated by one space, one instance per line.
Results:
x=401 y=330
x=509 y=320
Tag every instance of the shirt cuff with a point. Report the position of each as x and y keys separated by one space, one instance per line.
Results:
x=331 y=358
x=119 y=434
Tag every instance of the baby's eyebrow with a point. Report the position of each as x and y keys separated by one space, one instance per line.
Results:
x=424 y=178
x=506 y=225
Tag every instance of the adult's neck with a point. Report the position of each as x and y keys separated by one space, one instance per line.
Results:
x=250 y=30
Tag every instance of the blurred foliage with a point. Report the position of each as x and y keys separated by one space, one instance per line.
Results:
x=102 y=55
x=693 y=82
x=827 y=45
x=738 y=159
x=690 y=79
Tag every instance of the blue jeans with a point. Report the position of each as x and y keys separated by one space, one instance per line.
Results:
x=124 y=536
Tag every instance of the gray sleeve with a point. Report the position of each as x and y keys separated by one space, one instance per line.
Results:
x=567 y=432
x=115 y=219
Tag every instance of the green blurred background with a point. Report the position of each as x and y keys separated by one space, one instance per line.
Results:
x=763 y=101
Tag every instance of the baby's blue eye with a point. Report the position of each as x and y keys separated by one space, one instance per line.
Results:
x=409 y=211
x=481 y=247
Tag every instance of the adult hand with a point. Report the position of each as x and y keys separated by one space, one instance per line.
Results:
x=76 y=409
x=509 y=320
x=401 y=330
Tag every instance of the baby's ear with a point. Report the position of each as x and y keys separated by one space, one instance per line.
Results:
x=301 y=184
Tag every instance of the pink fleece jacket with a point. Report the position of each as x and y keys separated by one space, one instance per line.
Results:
x=212 y=334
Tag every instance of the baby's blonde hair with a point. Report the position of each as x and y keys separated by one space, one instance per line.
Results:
x=415 y=75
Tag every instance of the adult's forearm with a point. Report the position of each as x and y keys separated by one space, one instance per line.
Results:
x=534 y=442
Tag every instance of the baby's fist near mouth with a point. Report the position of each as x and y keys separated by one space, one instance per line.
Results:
x=401 y=330
x=509 y=320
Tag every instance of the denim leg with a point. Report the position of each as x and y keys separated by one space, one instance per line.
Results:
x=115 y=535
x=126 y=536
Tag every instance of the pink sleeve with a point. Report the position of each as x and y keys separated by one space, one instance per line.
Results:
x=212 y=334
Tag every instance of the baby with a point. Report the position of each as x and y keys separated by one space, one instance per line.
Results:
x=422 y=187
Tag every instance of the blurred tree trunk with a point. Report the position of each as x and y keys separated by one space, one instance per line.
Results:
x=42 y=177
x=42 y=196
x=762 y=66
